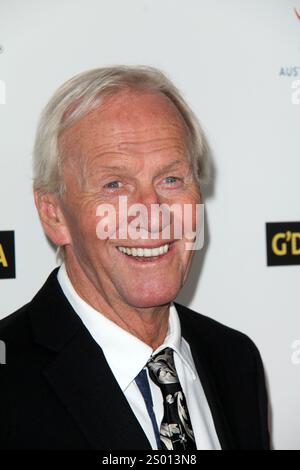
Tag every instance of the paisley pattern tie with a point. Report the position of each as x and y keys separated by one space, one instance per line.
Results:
x=176 y=432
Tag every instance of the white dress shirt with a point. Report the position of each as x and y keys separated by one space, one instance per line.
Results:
x=127 y=356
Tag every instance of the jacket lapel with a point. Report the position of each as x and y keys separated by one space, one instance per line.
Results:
x=193 y=336
x=80 y=375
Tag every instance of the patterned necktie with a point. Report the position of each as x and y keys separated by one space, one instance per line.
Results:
x=176 y=432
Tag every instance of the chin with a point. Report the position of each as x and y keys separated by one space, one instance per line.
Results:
x=152 y=298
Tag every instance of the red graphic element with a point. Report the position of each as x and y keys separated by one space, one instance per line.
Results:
x=297 y=14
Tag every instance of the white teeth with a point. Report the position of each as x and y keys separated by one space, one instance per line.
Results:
x=147 y=252
x=140 y=252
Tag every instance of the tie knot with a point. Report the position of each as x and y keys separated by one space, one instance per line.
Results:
x=162 y=368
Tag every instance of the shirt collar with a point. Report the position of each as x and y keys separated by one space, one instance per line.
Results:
x=174 y=340
x=124 y=352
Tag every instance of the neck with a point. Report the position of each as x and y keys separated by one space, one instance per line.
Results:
x=149 y=324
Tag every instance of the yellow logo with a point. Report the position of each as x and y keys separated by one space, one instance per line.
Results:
x=3 y=259
x=284 y=242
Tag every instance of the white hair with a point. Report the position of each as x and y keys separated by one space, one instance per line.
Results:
x=82 y=94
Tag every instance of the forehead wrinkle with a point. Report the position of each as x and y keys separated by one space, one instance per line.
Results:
x=152 y=145
x=111 y=133
x=135 y=167
x=170 y=165
x=131 y=149
x=138 y=135
x=113 y=129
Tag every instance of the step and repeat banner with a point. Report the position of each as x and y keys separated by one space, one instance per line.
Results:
x=238 y=65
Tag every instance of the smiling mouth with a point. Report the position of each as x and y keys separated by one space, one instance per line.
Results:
x=146 y=254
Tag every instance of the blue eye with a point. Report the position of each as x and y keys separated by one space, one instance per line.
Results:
x=113 y=185
x=171 y=179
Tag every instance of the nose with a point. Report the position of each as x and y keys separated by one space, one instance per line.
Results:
x=153 y=217
x=147 y=195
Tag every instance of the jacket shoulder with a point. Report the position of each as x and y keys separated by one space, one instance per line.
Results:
x=16 y=322
x=214 y=335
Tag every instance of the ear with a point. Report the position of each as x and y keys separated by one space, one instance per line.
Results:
x=52 y=218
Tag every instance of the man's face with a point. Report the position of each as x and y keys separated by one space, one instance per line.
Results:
x=134 y=145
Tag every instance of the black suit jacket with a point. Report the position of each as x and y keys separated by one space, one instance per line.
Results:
x=58 y=392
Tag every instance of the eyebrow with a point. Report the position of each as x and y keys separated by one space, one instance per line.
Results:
x=173 y=165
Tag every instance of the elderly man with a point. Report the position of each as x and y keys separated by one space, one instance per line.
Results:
x=102 y=358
